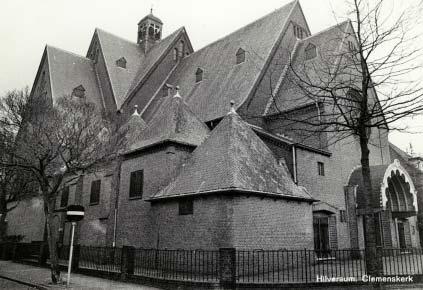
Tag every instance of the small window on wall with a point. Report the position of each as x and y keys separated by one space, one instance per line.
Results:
x=95 y=192
x=198 y=75
x=240 y=56
x=321 y=168
x=136 y=184
x=65 y=197
x=186 y=207
x=310 y=51
x=175 y=54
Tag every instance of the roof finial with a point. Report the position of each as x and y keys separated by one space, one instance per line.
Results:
x=151 y=9
x=177 y=95
x=136 y=111
x=232 y=111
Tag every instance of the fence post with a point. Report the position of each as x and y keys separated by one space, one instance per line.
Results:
x=15 y=252
x=42 y=259
x=227 y=268
x=127 y=261
x=75 y=257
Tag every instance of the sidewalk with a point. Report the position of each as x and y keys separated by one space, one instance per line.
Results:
x=40 y=277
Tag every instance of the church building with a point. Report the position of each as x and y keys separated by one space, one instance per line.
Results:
x=209 y=164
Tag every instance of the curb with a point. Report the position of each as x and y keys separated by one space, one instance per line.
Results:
x=25 y=283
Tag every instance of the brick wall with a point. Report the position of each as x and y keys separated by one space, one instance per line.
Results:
x=265 y=223
x=135 y=217
x=27 y=219
x=207 y=228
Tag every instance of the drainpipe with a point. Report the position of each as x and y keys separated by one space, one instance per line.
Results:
x=117 y=190
x=294 y=163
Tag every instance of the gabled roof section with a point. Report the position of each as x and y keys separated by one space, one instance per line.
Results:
x=234 y=158
x=68 y=71
x=399 y=153
x=152 y=57
x=173 y=122
x=289 y=96
x=225 y=79
x=114 y=48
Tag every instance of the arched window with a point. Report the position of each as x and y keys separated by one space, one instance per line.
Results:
x=175 y=54
x=151 y=30
x=181 y=48
x=240 y=56
x=310 y=51
x=198 y=75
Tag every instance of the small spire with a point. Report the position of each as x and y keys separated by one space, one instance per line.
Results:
x=136 y=111
x=177 y=95
x=232 y=111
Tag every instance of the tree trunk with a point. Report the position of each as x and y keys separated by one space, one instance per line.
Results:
x=52 y=244
x=371 y=225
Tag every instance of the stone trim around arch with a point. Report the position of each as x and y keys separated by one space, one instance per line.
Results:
x=396 y=165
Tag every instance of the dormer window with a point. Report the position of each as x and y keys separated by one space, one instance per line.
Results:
x=78 y=92
x=121 y=62
x=310 y=51
x=240 y=56
x=351 y=46
x=198 y=75
x=181 y=48
x=299 y=32
x=175 y=54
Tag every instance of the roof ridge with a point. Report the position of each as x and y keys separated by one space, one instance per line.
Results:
x=114 y=35
x=134 y=83
x=326 y=30
x=244 y=27
x=48 y=46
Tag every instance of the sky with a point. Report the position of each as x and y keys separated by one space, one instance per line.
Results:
x=27 y=26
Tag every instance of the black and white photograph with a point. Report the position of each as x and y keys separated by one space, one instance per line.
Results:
x=222 y=144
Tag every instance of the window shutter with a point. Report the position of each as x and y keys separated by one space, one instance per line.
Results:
x=136 y=183
x=95 y=192
x=333 y=234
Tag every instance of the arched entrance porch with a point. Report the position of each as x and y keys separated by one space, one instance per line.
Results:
x=397 y=215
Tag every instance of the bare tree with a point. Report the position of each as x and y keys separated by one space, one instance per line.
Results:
x=57 y=142
x=338 y=76
x=13 y=184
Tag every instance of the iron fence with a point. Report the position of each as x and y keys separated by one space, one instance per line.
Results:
x=105 y=259
x=246 y=266
x=193 y=265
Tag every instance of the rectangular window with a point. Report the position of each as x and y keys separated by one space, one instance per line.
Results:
x=95 y=192
x=65 y=197
x=186 y=207
x=321 y=168
x=136 y=184
x=343 y=216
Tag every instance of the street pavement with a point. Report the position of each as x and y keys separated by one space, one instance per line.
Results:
x=40 y=277
x=10 y=285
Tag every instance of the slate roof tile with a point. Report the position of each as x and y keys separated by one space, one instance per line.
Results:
x=223 y=79
x=174 y=121
x=68 y=71
x=233 y=157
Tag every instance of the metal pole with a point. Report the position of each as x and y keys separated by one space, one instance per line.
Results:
x=70 y=254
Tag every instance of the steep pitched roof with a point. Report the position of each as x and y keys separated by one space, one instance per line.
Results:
x=173 y=122
x=233 y=157
x=398 y=153
x=152 y=57
x=124 y=80
x=114 y=48
x=223 y=79
x=289 y=96
x=133 y=128
x=68 y=71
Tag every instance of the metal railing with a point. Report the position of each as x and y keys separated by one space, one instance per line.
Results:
x=193 y=265
x=245 y=266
